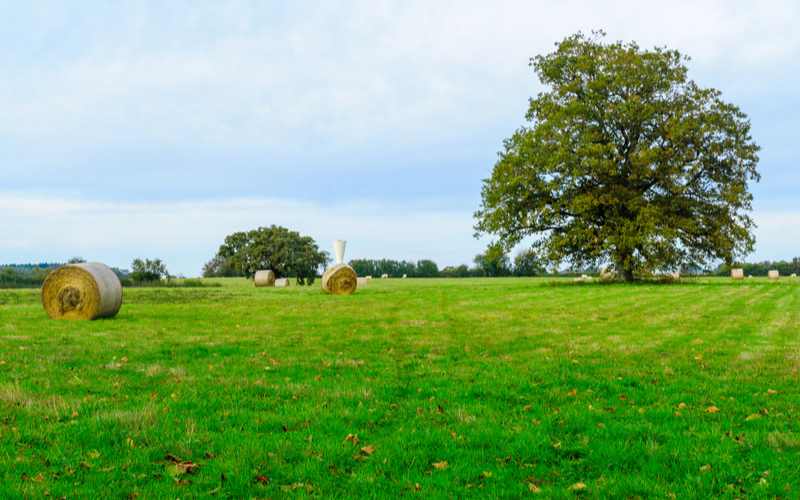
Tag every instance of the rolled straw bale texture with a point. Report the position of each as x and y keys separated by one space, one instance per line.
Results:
x=362 y=281
x=737 y=274
x=794 y=275
x=384 y=276
x=773 y=275
x=339 y=279
x=89 y=290
x=674 y=276
x=282 y=282
x=404 y=276
x=264 y=278
x=607 y=274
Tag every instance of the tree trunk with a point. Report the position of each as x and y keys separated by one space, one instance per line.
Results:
x=624 y=275
x=627 y=275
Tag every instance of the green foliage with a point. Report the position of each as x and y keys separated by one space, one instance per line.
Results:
x=426 y=269
x=76 y=260
x=493 y=262
x=461 y=271
x=527 y=263
x=394 y=268
x=219 y=267
x=625 y=161
x=146 y=271
x=285 y=252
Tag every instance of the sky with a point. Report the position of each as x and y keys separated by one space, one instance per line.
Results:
x=154 y=129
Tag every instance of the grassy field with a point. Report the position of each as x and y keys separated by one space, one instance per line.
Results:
x=484 y=388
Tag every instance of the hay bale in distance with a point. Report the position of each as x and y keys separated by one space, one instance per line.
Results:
x=676 y=276
x=368 y=278
x=607 y=275
x=264 y=278
x=339 y=279
x=404 y=276
x=793 y=275
x=773 y=275
x=282 y=282
x=737 y=274
x=384 y=276
x=361 y=281
x=89 y=290
x=577 y=280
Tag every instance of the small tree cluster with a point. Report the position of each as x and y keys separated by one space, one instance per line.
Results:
x=284 y=252
x=395 y=268
x=148 y=271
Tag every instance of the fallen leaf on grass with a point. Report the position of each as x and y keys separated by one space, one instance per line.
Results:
x=752 y=417
x=526 y=408
x=578 y=487
x=534 y=488
x=190 y=468
x=573 y=392
x=486 y=474
x=261 y=479
x=712 y=409
x=682 y=405
x=440 y=465
x=368 y=450
x=705 y=468
x=770 y=391
x=351 y=438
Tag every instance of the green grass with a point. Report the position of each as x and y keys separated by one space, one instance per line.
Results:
x=237 y=392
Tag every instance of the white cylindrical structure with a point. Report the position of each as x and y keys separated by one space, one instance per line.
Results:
x=338 y=249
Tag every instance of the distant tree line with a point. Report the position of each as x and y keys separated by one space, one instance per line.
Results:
x=761 y=268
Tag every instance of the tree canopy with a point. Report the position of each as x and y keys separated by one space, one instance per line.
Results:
x=285 y=252
x=626 y=161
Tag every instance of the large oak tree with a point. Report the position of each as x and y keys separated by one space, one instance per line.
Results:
x=626 y=161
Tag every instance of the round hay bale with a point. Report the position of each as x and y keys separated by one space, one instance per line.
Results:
x=773 y=275
x=384 y=276
x=339 y=279
x=737 y=274
x=264 y=278
x=607 y=275
x=282 y=282
x=89 y=290
x=362 y=281
x=675 y=276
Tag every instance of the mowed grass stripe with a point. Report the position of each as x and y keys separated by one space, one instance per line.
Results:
x=512 y=382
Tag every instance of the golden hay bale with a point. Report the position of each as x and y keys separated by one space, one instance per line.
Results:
x=368 y=278
x=339 y=279
x=404 y=276
x=793 y=275
x=607 y=275
x=384 y=276
x=362 y=281
x=264 y=278
x=737 y=274
x=676 y=276
x=282 y=282
x=89 y=290
x=773 y=275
